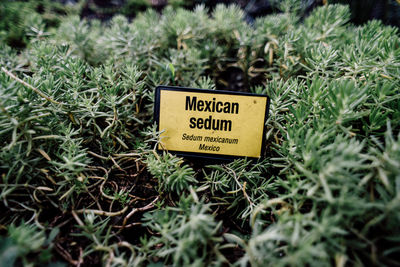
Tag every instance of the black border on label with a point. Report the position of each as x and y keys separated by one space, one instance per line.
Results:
x=196 y=90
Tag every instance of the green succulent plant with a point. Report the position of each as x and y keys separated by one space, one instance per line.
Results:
x=78 y=141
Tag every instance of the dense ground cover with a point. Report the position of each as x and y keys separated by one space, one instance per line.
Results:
x=82 y=184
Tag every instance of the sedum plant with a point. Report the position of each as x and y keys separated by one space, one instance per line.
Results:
x=186 y=234
x=172 y=177
x=23 y=241
x=77 y=141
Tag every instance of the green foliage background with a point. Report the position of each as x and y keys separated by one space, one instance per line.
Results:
x=80 y=178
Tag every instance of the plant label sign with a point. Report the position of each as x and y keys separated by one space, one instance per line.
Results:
x=208 y=123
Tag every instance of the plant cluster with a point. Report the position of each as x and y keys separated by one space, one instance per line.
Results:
x=20 y=20
x=81 y=182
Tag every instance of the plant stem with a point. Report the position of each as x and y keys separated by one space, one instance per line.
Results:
x=30 y=86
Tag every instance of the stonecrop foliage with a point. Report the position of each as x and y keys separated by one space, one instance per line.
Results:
x=81 y=183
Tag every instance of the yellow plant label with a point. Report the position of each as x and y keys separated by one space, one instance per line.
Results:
x=210 y=123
